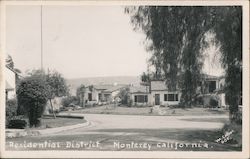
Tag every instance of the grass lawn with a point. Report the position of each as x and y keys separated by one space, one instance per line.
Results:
x=49 y=122
x=124 y=110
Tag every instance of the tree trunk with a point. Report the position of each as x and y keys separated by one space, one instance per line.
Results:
x=52 y=109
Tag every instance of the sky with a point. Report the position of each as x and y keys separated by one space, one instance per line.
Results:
x=78 y=41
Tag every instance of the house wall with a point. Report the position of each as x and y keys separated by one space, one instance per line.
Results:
x=162 y=102
x=222 y=97
x=94 y=93
x=10 y=77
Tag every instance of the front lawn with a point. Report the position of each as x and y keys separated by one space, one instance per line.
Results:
x=124 y=110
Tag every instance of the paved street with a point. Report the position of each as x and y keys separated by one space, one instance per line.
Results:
x=135 y=133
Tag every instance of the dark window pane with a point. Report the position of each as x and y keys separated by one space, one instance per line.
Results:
x=171 y=97
x=141 y=98
x=146 y=98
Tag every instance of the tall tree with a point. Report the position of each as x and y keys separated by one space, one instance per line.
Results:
x=228 y=30
x=55 y=82
x=177 y=34
x=80 y=93
x=57 y=87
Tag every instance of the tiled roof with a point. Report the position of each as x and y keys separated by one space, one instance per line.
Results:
x=139 y=89
x=158 y=86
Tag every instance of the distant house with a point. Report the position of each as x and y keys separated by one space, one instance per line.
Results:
x=10 y=83
x=157 y=93
x=102 y=93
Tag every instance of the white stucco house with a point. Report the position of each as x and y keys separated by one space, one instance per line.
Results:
x=157 y=93
x=102 y=93
x=10 y=83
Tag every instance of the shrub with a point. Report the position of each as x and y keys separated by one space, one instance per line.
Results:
x=130 y=102
x=32 y=94
x=17 y=122
x=70 y=99
x=11 y=110
x=213 y=103
x=124 y=96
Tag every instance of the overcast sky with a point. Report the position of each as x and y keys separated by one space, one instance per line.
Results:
x=78 y=41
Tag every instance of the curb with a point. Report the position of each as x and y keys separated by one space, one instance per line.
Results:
x=13 y=133
x=59 y=129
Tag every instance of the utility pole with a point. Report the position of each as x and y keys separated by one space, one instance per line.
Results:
x=41 y=36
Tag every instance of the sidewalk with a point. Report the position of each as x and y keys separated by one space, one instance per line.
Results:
x=11 y=133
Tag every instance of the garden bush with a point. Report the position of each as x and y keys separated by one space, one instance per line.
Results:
x=32 y=94
x=17 y=122
x=70 y=100
x=11 y=110
x=213 y=103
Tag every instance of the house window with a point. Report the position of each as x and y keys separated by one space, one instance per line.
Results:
x=141 y=98
x=212 y=86
x=171 y=97
x=99 y=96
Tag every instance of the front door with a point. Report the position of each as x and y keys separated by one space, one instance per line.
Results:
x=157 y=99
x=90 y=96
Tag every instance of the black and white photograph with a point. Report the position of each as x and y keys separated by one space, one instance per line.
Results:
x=125 y=79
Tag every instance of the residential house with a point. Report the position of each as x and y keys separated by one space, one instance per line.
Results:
x=157 y=93
x=10 y=83
x=102 y=93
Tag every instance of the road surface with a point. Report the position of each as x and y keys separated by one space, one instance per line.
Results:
x=133 y=133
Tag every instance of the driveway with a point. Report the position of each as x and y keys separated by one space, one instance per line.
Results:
x=136 y=133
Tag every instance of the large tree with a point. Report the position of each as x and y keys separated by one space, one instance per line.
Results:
x=176 y=36
x=55 y=82
x=57 y=87
x=32 y=95
x=80 y=94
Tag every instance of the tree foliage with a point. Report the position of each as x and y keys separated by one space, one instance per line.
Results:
x=57 y=84
x=176 y=37
x=80 y=94
x=124 y=95
x=32 y=95
x=36 y=89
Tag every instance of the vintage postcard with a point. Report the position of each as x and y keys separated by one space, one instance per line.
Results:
x=124 y=79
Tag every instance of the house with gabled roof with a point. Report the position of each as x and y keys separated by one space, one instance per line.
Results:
x=157 y=93
x=102 y=93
